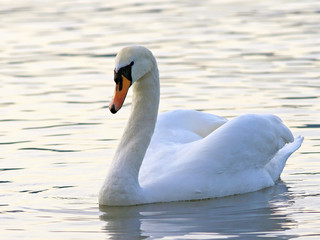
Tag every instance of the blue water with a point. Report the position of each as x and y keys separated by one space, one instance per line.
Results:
x=228 y=58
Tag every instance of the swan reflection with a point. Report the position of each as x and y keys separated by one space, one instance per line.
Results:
x=244 y=216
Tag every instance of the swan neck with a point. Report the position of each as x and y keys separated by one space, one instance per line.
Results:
x=140 y=127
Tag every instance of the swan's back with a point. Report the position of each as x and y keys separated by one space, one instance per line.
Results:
x=182 y=126
x=245 y=154
x=174 y=129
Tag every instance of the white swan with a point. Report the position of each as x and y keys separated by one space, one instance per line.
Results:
x=185 y=154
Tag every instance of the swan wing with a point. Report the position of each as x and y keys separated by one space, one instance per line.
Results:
x=182 y=126
x=174 y=129
x=248 y=141
x=245 y=154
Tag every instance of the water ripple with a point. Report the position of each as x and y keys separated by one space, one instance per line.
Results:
x=9 y=143
x=61 y=125
x=11 y=169
x=48 y=149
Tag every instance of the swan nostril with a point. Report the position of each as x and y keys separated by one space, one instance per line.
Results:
x=113 y=109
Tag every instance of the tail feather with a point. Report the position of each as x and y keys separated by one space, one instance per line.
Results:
x=276 y=165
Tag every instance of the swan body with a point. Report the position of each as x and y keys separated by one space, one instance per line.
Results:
x=185 y=154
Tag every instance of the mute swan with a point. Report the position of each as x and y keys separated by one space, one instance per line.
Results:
x=185 y=154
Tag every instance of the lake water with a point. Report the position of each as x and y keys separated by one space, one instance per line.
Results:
x=231 y=57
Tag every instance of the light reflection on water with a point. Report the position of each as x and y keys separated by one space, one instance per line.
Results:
x=224 y=57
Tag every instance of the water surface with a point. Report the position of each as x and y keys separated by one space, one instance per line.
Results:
x=228 y=58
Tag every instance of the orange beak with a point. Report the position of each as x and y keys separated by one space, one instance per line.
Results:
x=119 y=95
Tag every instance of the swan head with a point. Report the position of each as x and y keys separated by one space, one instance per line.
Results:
x=131 y=64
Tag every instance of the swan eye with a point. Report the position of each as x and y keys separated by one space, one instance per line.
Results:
x=124 y=71
x=117 y=77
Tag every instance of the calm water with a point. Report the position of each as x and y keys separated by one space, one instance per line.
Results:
x=224 y=57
